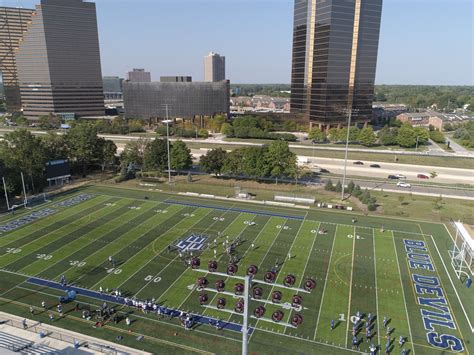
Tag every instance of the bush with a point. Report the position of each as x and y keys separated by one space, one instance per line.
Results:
x=372 y=207
x=357 y=192
x=437 y=136
x=203 y=133
x=329 y=186
x=350 y=187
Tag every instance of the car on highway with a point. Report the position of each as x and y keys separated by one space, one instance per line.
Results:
x=404 y=185
x=358 y=162
x=422 y=176
x=393 y=177
x=374 y=165
x=400 y=176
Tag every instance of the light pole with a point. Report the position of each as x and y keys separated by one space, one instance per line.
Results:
x=246 y=300
x=168 y=122
x=347 y=150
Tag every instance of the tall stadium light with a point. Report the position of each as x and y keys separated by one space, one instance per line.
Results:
x=350 y=112
x=248 y=279
x=168 y=122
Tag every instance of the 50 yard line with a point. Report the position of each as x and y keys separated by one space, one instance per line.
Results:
x=350 y=287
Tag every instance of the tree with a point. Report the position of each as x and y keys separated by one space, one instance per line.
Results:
x=354 y=134
x=49 y=122
x=134 y=153
x=55 y=146
x=82 y=143
x=233 y=164
x=406 y=136
x=181 y=158
x=333 y=135
x=106 y=150
x=21 y=120
x=254 y=163
x=422 y=134
x=213 y=161
x=329 y=185
x=367 y=137
x=280 y=160
x=350 y=187
x=317 y=136
x=203 y=133
x=21 y=151
x=365 y=197
x=437 y=136
x=357 y=191
x=227 y=129
x=217 y=122
x=156 y=155
x=338 y=187
x=388 y=136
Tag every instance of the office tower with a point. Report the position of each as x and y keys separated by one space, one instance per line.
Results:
x=13 y=23
x=335 y=45
x=176 y=79
x=58 y=61
x=139 y=76
x=214 y=67
x=112 y=87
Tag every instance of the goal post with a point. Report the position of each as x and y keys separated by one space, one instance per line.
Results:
x=462 y=252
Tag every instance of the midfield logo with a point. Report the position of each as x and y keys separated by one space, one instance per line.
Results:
x=194 y=242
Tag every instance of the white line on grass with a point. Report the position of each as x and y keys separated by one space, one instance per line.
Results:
x=281 y=271
x=152 y=258
x=325 y=283
x=218 y=260
x=350 y=285
x=452 y=284
x=376 y=288
x=179 y=277
x=305 y=266
x=403 y=294
x=77 y=225
x=86 y=245
x=246 y=251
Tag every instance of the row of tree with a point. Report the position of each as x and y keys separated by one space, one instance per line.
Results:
x=404 y=136
x=355 y=190
x=274 y=160
x=253 y=127
x=21 y=151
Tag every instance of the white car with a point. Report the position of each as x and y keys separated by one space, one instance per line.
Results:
x=400 y=176
x=403 y=184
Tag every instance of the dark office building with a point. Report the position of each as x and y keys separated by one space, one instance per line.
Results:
x=184 y=99
x=14 y=22
x=335 y=44
x=58 y=61
x=176 y=79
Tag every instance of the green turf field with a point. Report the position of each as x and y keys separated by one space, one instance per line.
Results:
x=361 y=266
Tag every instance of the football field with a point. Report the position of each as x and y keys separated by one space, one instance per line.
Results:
x=137 y=242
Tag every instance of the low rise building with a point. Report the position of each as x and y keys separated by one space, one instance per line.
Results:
x=436 y=119
x=185 y=100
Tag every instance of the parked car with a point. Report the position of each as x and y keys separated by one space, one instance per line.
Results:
x=374 y=165
x=422 y=176
x=358 y=162
x=400 y=176
x=393 y=177
x=404 y=184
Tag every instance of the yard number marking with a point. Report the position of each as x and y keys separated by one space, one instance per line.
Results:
x=13 y=250
x=115 y=271
x=44 y=256
x=77 y=263
x=151 y=277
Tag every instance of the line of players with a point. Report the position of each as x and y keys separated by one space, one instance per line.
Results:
x=369 y=333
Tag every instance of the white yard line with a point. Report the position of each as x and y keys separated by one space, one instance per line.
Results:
x=218 y=260
x=325 y=283
x=452 y=284
x=179 y=277
x=151 y=259
x=256 y=238
x=376 y=289
x=403 y=294
x=350 y=285
x=305 y=266
x=281 y=271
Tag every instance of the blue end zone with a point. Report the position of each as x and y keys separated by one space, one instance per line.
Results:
x=172 y=202
x=120 y=300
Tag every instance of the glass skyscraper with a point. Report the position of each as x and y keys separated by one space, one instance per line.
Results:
x=335 y=44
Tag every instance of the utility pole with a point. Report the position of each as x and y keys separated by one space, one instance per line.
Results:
x=350 y=111
x=168 y=122
x=6 y=193
x=25 y=200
